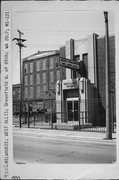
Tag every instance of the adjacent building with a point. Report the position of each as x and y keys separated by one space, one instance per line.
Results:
x=40 y=74
x=16 y=92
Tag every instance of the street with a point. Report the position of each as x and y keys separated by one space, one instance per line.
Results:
x=55 y=146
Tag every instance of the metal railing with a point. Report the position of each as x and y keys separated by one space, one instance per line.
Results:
x=46 y=117
x=60 y=121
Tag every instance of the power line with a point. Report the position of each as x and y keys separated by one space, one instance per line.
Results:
x=82 y=42
x=45 y=44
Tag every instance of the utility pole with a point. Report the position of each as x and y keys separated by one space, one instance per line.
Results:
x=107 y=78
x=20 y=44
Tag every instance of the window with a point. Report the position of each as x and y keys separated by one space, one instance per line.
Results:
x=31 y=67
x=38 y=78
x=57 y=59
x=44 y=64
x=38 y=65
x=25 y=92
x=18 y=93
x=58 y=75
x=38 y=91
x=51 y=63
x=31 y=92
x=44 y=77
x=31 y=79
x=52 y=76
x=25 y=80
x=44 y=92
x=25 y=68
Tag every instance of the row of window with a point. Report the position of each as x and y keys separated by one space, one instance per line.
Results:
x=41 y=64
x=26 y=93
x=16 y=93
x=39 y=92
x=44 y=78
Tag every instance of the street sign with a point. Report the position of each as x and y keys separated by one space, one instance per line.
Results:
x=68 y=63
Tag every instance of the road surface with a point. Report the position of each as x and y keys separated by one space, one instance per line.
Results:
x=55 y=146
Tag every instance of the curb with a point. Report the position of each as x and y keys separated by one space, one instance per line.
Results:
x=66 y=135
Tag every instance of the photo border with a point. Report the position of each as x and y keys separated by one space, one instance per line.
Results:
x=11 y=170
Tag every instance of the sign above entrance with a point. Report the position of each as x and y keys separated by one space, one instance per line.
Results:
x=68 y=63
x=70 y=84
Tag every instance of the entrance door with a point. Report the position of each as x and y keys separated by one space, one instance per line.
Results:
x=75 y=110
x=72 y=110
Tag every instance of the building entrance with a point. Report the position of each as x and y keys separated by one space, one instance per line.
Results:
x=72 y=109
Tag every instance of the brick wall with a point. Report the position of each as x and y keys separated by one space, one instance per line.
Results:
x=47 y=74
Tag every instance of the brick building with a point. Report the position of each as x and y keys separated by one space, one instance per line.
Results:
x=40 y=74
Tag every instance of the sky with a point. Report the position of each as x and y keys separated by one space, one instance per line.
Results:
x=48 y=27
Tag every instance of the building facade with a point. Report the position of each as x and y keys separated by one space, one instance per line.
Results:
x=87 y=95
x=74 y=92
x=75 y=95
x=40 y=74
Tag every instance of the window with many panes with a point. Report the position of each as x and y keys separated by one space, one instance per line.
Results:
x=44 y=91
x=44 y=64
x=25 y=68
x=52 y=76
x=31 y=67
x=31 y=92
x=58 y=75
x=31 y=79
x=25 y=92
x=38 y=65
x=44 y=77
x=18 y=93
x=26 y=80
x=38 y=78
x=51 y=63
x=38 y=91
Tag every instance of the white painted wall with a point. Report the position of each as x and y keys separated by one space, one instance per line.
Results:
x=87 y=46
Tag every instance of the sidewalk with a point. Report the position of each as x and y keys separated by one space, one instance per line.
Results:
x=94 y=136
